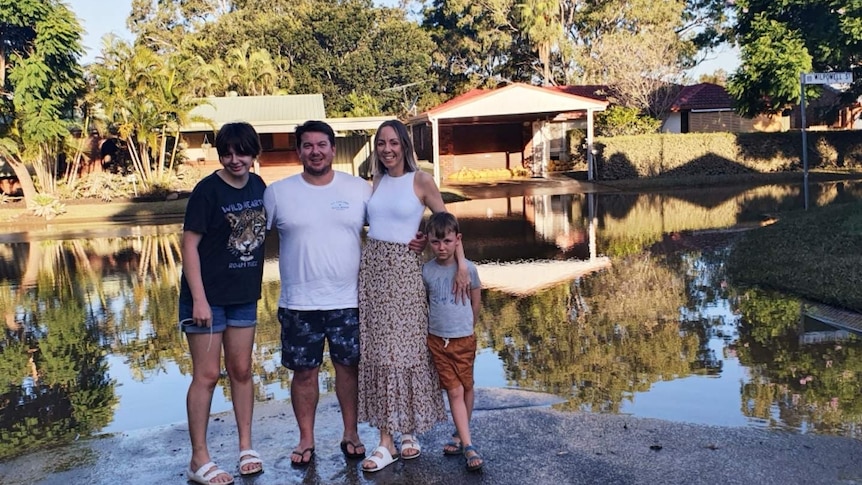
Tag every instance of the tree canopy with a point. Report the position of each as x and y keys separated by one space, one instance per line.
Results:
x=40 y=43
x=780 y=40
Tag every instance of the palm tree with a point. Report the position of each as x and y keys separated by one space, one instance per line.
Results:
x=541 y=23
x=148 y=96
x=249 y=73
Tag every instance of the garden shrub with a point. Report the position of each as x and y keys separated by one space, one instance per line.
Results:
x=671 y=154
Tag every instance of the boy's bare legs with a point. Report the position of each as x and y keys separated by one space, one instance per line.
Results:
x=347 y=392
x=206 y=358
x=461 y=404
x=469 y=397
x=304 y=395
x=238 y=343
x=460 y=413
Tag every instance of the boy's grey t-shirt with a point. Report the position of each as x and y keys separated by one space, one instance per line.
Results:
x=446 y=318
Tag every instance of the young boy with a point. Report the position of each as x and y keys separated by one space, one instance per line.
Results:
x=451 y=340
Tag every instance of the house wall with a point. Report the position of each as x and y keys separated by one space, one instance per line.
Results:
x=490 y=147
x=729 y=121
x=672 y=124
x=818 y=110
x=279 y=158
x=278 y=148
x=479 y=146
x=353 y=155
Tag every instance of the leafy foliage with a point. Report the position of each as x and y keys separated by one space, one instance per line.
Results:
x=148 y=97
x=619 y=120
x=41 y=40
x=781 y=40
x=331 y=47
x=475 y=44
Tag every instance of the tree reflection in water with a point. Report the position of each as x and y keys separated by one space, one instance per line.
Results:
x=598 y=341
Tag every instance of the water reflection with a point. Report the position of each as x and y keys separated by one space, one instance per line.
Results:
x=91 y=344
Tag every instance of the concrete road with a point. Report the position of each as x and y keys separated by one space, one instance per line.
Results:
x=525 y=440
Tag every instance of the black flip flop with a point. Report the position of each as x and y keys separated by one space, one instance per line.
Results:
x=301 y=455
x=354 y=455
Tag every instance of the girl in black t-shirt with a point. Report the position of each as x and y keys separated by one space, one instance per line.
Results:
x=222 y=250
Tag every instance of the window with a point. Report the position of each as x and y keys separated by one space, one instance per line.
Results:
x=266 y=142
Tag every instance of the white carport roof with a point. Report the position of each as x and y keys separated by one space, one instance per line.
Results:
x=513 y=99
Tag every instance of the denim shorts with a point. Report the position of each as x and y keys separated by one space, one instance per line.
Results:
x=241 y=315
x=303 y=334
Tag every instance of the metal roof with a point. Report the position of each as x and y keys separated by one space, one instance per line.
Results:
x=260 y=111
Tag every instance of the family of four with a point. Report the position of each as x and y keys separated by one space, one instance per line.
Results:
x=398 y=329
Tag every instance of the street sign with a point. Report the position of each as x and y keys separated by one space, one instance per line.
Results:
x=827 y=78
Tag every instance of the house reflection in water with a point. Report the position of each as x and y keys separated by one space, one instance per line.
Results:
x=554 y=242
x=820 y=323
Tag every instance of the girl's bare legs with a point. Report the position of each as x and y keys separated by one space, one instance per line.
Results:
x=238 y=342
x=206 y=359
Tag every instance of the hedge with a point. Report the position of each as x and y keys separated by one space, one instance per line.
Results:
x=657 y=155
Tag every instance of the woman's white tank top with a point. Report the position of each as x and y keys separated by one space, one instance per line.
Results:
x=394 y=211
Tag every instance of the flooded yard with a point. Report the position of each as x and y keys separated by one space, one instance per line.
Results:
x=618 y=303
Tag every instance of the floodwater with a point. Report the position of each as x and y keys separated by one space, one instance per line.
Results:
x=618 y=303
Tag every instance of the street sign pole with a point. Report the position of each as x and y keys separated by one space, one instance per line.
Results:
x=815 y=78
x=804 y=141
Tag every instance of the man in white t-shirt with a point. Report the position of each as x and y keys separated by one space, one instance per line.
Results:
x=319 y=215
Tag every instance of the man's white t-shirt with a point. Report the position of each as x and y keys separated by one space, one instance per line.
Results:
x=319 y=230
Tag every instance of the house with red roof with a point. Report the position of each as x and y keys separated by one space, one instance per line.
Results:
x=708 y=108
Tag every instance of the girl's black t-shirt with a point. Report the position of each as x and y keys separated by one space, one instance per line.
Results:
x=233 y=224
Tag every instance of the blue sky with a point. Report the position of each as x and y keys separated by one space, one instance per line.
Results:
x=100 y=17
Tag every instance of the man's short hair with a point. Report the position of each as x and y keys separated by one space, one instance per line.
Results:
x=441 y=223
x=315 y=126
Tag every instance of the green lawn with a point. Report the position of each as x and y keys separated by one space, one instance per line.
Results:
x=816 y=254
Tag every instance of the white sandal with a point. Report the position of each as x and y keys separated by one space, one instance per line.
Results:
x=380 y=462
x=409 y=442
x=254 y=459
x=206 y=473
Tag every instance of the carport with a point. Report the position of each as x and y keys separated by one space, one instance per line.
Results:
x=499 y=128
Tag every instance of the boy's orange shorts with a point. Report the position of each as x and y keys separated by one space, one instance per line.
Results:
x=454 y=362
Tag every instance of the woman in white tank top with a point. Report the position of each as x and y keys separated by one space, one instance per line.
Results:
x=398 y=385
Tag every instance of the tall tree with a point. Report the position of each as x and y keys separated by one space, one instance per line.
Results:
x=330 y=47
x=40 y=43
x=162 y=25
x=148 y=97
x=541 y=22
x=244 y=72
x=635 y=48
x=772 y=58
x=474 y=44
x=781 y=40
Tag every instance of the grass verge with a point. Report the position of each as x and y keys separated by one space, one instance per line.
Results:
x=17 y=215
x=816 y=254
x=663 y=183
